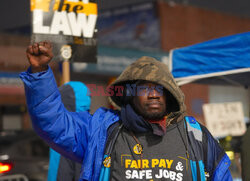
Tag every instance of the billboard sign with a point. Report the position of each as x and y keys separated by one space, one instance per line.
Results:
x=134 y=26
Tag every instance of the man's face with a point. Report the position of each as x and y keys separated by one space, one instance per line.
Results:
x=150 y=101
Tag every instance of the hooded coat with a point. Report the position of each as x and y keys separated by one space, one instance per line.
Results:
x=83 y=137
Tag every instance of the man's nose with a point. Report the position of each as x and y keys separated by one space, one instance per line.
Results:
x=153 y=94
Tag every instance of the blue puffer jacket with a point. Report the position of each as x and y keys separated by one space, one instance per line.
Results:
x=82 y=136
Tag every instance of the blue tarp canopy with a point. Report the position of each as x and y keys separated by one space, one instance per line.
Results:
x=220 y=61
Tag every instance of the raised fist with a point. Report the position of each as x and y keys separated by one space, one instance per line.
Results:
x=39 y=56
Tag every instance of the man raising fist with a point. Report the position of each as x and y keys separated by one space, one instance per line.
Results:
x=149 y=138
x=39 y=56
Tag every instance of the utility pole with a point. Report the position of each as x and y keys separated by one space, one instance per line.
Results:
x=66 y=53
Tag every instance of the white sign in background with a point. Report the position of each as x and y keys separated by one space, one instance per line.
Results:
x=224 y=119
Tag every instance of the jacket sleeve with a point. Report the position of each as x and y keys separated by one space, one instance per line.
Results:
x=217 y=161
x=64 y=131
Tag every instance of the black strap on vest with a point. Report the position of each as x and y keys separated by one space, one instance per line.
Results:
x=113 y=132
x=204 y=145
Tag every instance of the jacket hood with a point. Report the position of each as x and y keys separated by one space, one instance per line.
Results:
x=152 y=70
x=75 y=96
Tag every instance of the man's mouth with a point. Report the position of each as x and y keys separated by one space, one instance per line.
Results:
x=154 y=104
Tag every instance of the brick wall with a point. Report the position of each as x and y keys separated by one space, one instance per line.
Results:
x=183 y=25
x=195 y=96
